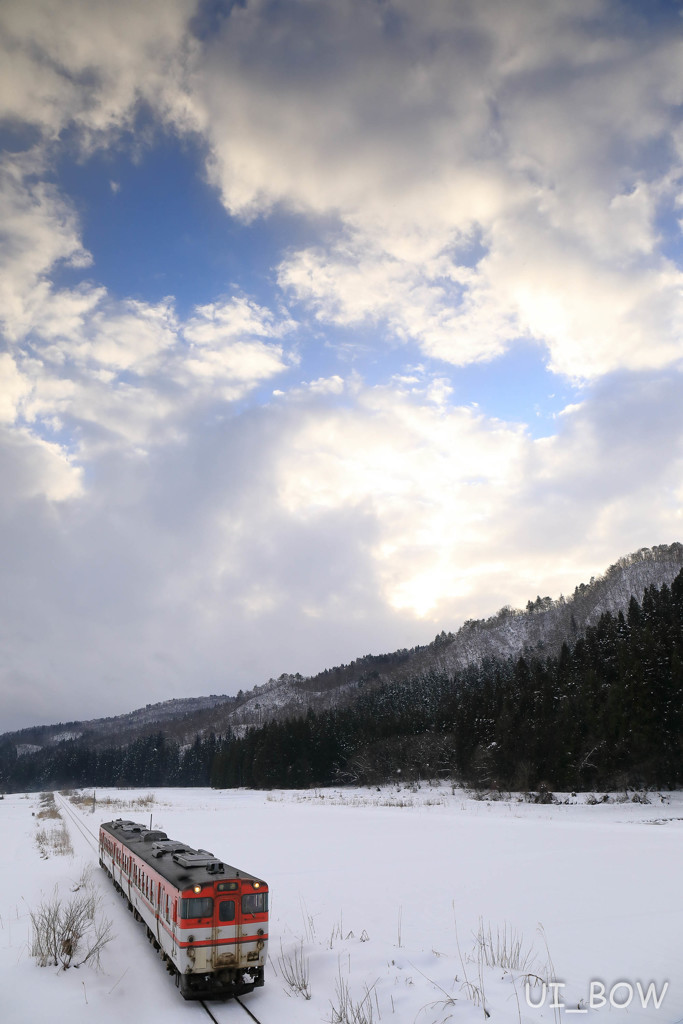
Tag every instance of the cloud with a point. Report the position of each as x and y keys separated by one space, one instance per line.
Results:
x=13 y=387
x=34 y=469
x=40 y=230
x=467 y=509
x=431 y=476
x=498 y=171
x=451 y=312
x=90 y=66
x=226 y=346
x=594 y=315
x=225 y=322
x=111 y=371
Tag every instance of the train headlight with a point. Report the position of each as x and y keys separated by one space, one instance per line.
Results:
x=197 y=888
x=256 y=885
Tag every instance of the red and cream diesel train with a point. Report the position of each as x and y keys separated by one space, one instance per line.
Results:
x=208 y=919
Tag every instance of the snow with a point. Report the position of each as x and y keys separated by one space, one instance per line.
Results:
x=385 y=890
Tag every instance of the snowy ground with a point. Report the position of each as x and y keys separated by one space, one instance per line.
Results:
x=382 y=892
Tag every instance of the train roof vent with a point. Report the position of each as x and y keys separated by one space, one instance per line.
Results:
x=198 y=859
x=167 y=846
x=154 y=836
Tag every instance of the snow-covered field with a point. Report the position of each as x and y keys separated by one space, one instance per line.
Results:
x=381 y=892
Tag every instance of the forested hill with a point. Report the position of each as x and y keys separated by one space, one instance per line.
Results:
x=603 y=712
x=538 y=630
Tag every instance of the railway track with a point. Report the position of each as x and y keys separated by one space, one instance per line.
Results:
x=88 y=835
x=235 y=999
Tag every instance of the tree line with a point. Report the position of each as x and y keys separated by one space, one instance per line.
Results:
x=149 y=761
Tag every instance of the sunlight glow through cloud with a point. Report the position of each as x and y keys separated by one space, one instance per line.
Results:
x=283 y=435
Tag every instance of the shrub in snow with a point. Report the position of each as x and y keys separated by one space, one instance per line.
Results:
x=69 y=932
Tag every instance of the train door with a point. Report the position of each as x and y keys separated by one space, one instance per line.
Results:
x=252 y=910
x=174 y=914
x=224 y=932
x=159 y=911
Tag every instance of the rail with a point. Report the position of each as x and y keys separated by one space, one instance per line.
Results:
x=91 y=838
x=239 y=1003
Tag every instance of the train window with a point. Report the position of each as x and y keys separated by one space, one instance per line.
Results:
x=255 y=903
x=226 y=910
x=198 y=906
x=226 y=886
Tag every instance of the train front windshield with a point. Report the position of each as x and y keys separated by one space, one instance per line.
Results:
x=197 y=906
x=255 y=903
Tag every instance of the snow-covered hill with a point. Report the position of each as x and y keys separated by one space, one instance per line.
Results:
x=541 y=628
x=547 y=623
x=164 y=716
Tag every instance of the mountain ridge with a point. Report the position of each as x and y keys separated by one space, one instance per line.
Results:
x=540 y=629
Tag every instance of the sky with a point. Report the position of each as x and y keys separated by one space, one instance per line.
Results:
x=325 y=325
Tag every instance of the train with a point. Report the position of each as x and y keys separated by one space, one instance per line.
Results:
x=207 y=919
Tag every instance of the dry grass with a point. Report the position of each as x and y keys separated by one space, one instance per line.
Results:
x=504 y=949
x=295 y=969
x=345 y=1010
x=48 y=812
x=88 y=801
x=372 y=797
x=52 y=840
x=48 y=807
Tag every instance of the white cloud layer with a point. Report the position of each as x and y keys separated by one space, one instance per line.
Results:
x=111 y=371
x=301 y=535
x=544 y=135
x=497 y=170
x=90 y=65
